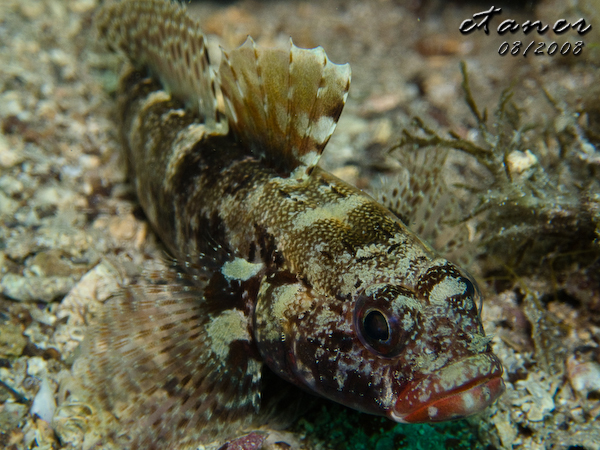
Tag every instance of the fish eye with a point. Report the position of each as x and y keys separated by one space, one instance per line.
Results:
x=472 y=292
x=376 y=327
x=469 y=287
x=377 y=321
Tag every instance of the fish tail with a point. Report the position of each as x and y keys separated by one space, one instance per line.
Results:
x=161 y=37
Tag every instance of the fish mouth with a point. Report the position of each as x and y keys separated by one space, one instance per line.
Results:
x=456 y=391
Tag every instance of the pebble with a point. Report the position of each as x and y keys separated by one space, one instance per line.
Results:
x=10 y=154
x=10 y=103
x=3 y=263
x=38 y=335
x=252 y=441
x=66 y=339
x=11 y=414
x=43 y=316
x=40 y=435
x=519 y=163
x=540 y=402
x=123 y=228
x=12 y=341
x=50 y=263
x=378 y=104
x=31 y=9
x=441 y=45
x=440 y=90
x=584 y=376
x=506 y=431
x=10 y=186
x=36 y=366
x=352 y=125
x=81 y=6
x=29 y=289
x=46 y=109
x=61 y=232
x=54 y=195
x=71 y=422
x=383 y=131
x=347 y=173
x=95 y=286
x=18 y=245
x=8 y=206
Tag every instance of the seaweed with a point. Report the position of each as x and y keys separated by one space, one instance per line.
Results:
x=536 y=203
x=335 y=427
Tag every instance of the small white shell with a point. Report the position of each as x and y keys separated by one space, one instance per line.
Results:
x=584 y=376
x=519 y=163
x=44 y=404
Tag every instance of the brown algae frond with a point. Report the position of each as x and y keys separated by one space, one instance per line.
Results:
x=536 y=194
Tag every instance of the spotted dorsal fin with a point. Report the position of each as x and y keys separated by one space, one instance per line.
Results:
x=284 y=105
x=160 y=36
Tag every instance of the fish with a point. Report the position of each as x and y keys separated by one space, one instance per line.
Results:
x=284 y=279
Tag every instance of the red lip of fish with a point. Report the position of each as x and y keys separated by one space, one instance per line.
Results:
x=454 y=392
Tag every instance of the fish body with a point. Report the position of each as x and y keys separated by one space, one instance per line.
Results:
x=282 y=267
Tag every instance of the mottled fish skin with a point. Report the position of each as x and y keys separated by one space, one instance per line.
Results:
x=284 y=265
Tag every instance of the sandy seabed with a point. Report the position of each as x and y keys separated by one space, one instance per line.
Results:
x=71 y=232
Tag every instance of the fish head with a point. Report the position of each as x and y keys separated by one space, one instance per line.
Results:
x=429 y=342
x=414 y=352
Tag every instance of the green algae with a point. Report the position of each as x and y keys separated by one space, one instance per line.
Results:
x=338 y=428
